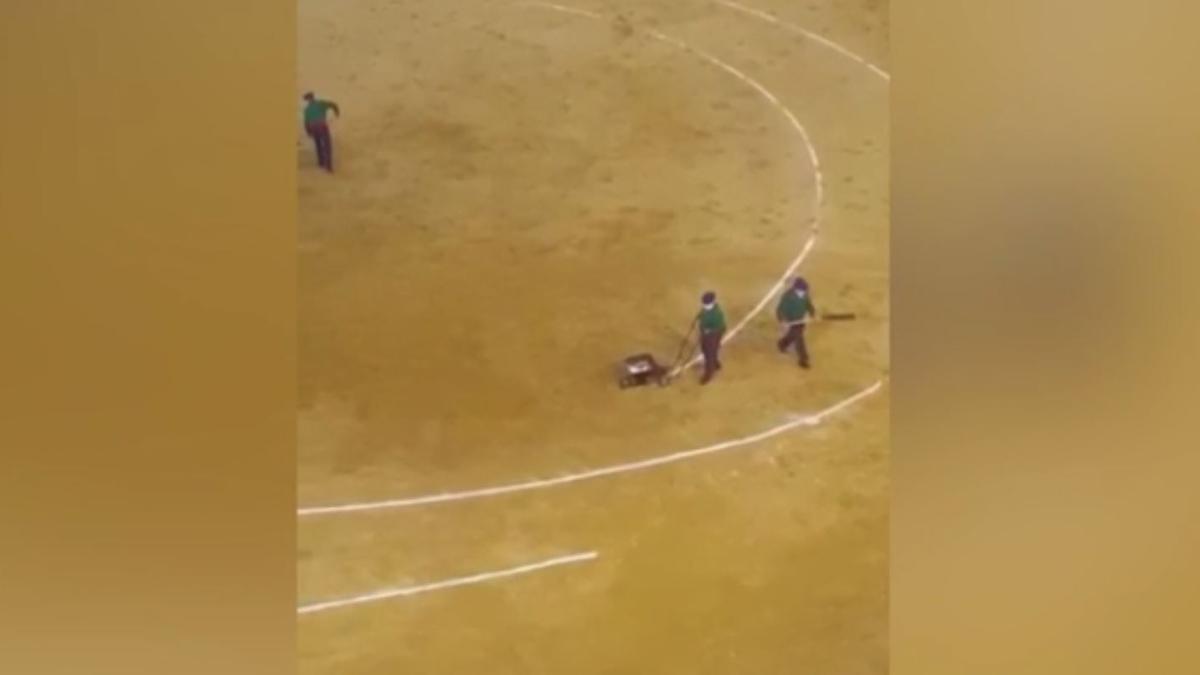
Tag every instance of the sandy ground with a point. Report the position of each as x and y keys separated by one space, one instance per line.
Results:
x=523 y=198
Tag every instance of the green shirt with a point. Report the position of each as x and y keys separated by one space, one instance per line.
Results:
x=316 y=109
x=794 y=307
x=712 y=320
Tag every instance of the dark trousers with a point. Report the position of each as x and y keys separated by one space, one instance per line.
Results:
x=795 y=335
x=320 y=135
x=710 y=347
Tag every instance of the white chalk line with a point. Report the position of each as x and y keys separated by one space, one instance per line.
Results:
x=818 y=181
x=757 y=13
x=816 y=37
x=482 y=577
x=814 y=160
x=561 y=8
x=798 y=421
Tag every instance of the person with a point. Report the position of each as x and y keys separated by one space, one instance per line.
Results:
x=795 y=310
x=317 y=128
x=712 y=330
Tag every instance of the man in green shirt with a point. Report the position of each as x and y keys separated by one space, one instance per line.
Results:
x=712 y=330
x=315 y=124
x=795 y=310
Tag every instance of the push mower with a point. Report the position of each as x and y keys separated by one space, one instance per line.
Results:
x=641 y=369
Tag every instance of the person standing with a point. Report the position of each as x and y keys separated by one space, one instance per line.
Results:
x=712 y=331
x=317 y=127
x=795 y=310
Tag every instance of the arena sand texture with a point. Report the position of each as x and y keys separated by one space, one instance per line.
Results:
x=525 y=196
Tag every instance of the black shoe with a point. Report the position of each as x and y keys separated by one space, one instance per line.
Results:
x=804 y=364
x=705 y=379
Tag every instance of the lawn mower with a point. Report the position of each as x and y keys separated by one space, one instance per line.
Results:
x=641 y=369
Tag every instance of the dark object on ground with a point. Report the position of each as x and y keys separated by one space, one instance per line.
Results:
x=640 y=370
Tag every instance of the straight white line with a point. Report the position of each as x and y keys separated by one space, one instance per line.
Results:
x=449 y=583
x=799 y=421
x=765 y=16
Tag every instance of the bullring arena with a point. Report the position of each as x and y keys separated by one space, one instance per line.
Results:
x=525 y=194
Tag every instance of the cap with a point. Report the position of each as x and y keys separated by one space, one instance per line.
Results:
x=800 y=284
x=708 y=298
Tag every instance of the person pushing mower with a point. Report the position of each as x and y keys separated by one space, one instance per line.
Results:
x=317 y=128
x=712 y=330
x=795 y=310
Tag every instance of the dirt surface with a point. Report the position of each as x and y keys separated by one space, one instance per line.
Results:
x=523 y=197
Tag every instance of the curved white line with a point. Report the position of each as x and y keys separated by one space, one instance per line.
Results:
x=818 y=181
x=449 y=583
x=766 y=93
x=765 y=16
x=818 y=178
x=799 y=421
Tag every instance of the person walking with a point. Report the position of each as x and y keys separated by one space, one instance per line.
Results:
x=795 y=310
x=712 y=331
x=317 y=127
